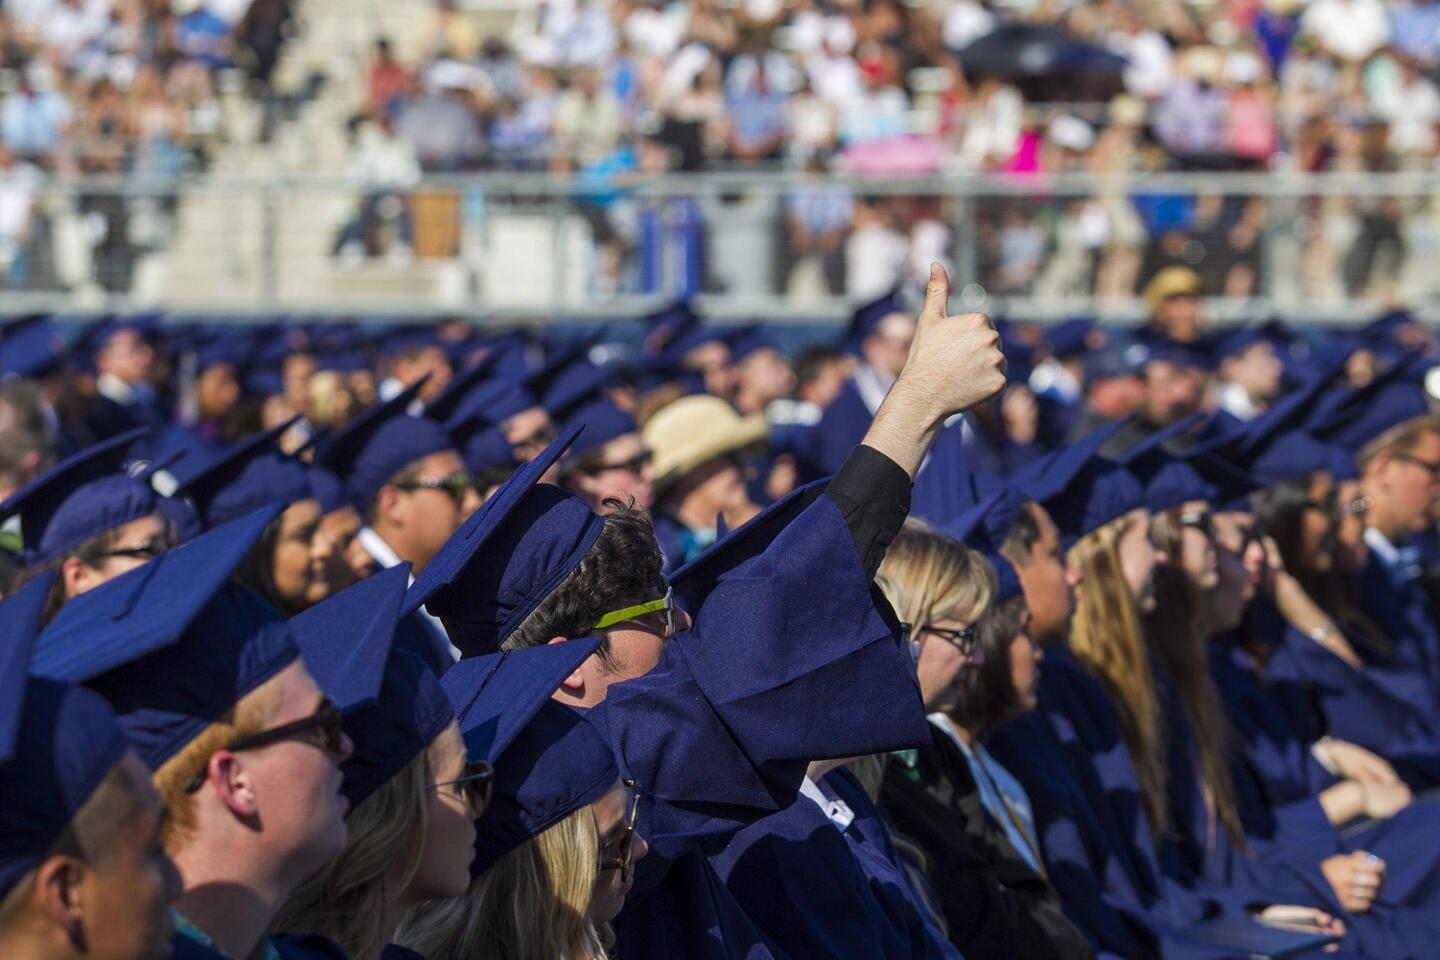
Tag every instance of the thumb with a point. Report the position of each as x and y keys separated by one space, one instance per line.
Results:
x=937 y=293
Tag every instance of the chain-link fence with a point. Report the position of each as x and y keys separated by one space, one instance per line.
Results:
x=774 y=245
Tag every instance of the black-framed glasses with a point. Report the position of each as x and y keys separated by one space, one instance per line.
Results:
x=1434 y=468
x=542 y=438
x=635 y=464
x=148 y=550
x=327 y=721
x=474 y=786
x=455 y=486
x=665 y=603
x=619 y=853
x=962 y=639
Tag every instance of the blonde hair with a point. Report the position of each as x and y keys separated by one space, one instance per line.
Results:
x=1106 y=635
x=927 y=576
x=1401 y=439
x=1177 y=634
x=332 y=402
x=346 y=900
x=244 y=719
x=532 y=904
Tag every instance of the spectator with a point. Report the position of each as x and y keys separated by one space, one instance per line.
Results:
x=388 y=83
x=19 y=185
x=757 y=125
x=442 y=125
x=35 y=117
x=201 y=36
x=817 y=216
x=1350 y=30
x=586 y=122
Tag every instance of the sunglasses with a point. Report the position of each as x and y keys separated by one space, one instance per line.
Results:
x=455 y=486
x=619 y=854
x=327 y=721
x=474 y=787
x=665 y=603
x=634 y=465
x=1198 y=520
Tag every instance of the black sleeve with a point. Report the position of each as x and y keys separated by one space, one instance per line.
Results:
x=873 y=495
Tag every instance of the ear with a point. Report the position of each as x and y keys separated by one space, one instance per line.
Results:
x=232 y=784
x=77 y=575
x=58 y=894
x=574 y=684
x=386 y=499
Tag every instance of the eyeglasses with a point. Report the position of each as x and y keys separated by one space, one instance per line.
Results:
x=1434 y=468
x=542 y=437
x=635 y=464
x=962 y=640
x=619 y=854
x=456 y=485
x=1198 y=520
x=148 y=550
x=327 y=721
x=475 y=786
x=665 y=603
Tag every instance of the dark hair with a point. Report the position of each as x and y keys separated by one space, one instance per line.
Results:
x=811 y=362
x=256 y=569
x=987 y=696
x=622 y=567
x=91 y=552
x=1280 y=515
x=1024 y=534
x=409 y=474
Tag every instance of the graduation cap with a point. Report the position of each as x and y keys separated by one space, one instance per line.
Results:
x=1351 y=417
x=394 y=707
x=693 y=581
x=1082 y=490
x=483 y=445
x=231 y=348
x=1071 y=337
x=30 y=347
x=748 y=339
x=602 y=422
x=57 y=743
x=79 y=498
x=507 y=557
x=1169 y=480
x=946 y=486
x=664 y=326
x=444 y=406
x=549 y=761
x=241 y=481
x=173 y=645
x=866 y=318
x=1198 y=355
x=381 y=442
x=977 y=528
x=327 y=488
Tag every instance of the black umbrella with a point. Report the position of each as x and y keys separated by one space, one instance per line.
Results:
x=1046 y=62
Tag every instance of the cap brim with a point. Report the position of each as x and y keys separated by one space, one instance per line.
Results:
x=747 y=432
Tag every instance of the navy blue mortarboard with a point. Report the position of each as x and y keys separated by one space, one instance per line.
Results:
x=1116 y=360
x=533 y=536
x=328 y=489
x=458 y=390
x=1071 y=337
x=664 y=326
x=1235 y=342
x=693 y=581
x=985 y=528
x=252 y=475
x=549 y=761
x=57 y=743
x=342 y=361
x=172 y=644
x=482 y=444
x=867 y=317
x=30 y=347
x=79 y=498
x=1082 y=490
x=394 y=706
x=602 y=422
x=1351 y=418
x=1169 y=480
x=1196 y=355
x=946 y=486
x=746 y=340
x=231 y=348
x=381 y=442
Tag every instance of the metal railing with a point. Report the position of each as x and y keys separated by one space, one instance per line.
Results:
x=788 y=246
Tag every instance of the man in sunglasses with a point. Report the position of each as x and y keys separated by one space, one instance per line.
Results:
x=244 y=749
x=609 y=461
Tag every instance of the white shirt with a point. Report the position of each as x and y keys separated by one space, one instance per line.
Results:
x=383 y=554
x=1233 y=399
x=837 y=812
x=1349 y=29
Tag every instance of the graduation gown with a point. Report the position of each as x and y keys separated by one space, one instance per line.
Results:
x=720 y=734
x=1386 y=930
x=841 y=427
x=1397 y=602
x=995 y=905
x=1278 y=782
x=824 y=889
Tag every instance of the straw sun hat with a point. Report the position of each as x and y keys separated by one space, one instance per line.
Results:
x=694 y=430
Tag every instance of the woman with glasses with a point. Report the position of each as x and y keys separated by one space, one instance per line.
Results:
x=959 y=817
x=554 y=855
x=414 y=797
